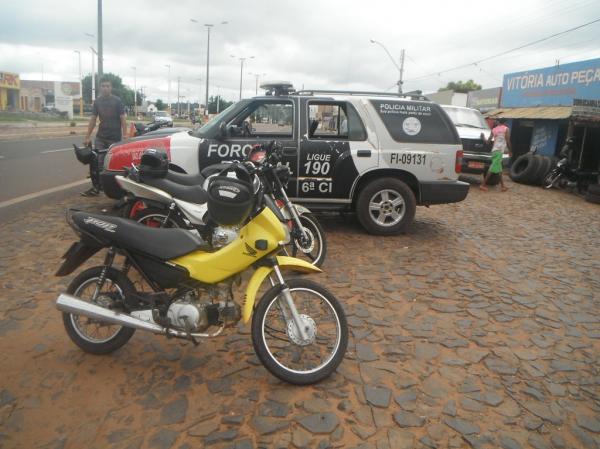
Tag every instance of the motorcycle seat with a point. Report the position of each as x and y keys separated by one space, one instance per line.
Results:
x=161 y=243
x=192 y=194
x=185 y=179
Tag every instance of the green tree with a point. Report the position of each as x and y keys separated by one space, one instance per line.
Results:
x=160 y=105
x=119 y=89
x=212 y=104
x=462 y=87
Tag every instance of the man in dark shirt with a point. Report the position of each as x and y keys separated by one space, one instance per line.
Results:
x=112 y=128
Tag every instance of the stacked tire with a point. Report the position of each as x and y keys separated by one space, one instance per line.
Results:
x=531 y=169
x=593 y=193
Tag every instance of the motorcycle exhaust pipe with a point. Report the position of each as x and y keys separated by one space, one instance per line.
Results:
x=71 y=304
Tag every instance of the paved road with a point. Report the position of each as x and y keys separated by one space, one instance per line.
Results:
x=479 y=328
x=31 y=166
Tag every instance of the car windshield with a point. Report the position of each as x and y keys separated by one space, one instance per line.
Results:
x=469 y=118
x=210 y=128
x=161 y=114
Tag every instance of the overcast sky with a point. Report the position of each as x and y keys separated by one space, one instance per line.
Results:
x=315 y=44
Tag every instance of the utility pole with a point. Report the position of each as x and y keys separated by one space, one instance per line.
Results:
x=399 y=67
x=100 y=51
x=178 y=97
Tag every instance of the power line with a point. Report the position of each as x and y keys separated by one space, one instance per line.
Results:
x=438 y=72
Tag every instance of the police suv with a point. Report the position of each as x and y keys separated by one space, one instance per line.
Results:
x=377 y=154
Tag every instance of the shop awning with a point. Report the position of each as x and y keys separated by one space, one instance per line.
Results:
x=541 y=112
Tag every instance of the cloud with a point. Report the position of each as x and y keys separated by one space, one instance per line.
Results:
x=311 y=43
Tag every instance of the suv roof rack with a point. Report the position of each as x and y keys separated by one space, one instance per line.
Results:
x=414 y=95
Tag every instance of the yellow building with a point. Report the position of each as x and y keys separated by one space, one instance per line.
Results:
x=10 y=84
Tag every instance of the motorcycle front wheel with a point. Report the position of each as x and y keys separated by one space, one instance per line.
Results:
x=314 y=247
x=277 y=342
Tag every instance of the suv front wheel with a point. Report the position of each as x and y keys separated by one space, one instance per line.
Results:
x=386 y=206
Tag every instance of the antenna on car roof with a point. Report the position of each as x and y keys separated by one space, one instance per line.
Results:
x=278 y=88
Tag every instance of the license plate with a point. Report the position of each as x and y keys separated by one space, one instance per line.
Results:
x=475 y=164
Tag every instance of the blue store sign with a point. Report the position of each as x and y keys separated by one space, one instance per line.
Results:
x=552 y=86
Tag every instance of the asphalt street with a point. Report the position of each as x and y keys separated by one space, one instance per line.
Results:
x=31 y=167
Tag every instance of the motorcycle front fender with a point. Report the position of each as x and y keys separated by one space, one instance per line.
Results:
x=261 y=274
x=300 y=209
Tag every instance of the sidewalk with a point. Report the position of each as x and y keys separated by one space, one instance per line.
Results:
x=40 y=130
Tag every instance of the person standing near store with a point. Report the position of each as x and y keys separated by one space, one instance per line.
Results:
x=113 y=127
x=501 y=136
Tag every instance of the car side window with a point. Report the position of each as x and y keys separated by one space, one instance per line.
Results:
x=334 y=121
x=272 y=119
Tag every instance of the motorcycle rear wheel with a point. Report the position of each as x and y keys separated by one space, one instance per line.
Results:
x=155 y=218
x=550 y=179
x=276 y=341
x=91 y=335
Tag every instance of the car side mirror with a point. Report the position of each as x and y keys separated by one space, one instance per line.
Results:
x=222 y=130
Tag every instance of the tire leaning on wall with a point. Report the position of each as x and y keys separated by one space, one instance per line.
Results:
x=523 y=168
x=544 y=166
x=593 y=194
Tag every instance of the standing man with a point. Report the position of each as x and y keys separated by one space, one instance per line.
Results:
x=501 y=136
x=113 y=127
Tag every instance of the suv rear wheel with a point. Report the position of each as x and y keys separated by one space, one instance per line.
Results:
x=386 y=206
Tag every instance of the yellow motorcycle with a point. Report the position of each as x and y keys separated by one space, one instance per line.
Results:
x=298 y=327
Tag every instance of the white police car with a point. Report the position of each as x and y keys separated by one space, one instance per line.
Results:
x=377 y=154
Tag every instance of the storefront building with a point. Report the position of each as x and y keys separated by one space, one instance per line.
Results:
x=545 y=106
x=10 y=84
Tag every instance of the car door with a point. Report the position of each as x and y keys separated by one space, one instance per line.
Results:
x=334 y=150
x=261 y=121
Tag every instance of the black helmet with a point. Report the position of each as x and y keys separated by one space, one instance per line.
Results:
x=83 y=155
x=154 y=163
x=230 y=196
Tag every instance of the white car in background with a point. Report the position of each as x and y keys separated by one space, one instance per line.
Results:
x=163 y=118
x=474 y=133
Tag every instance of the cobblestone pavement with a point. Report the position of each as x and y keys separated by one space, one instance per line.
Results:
x=480 y=327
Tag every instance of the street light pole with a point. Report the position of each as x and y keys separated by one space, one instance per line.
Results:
x=80 y=85
x=242 y=59
x=178 y=97
x=257 y=76
x=135 y=91
x=100 y=51
x=399 y=67
x=169 y=88
x=208 y=27
x=93 y=75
